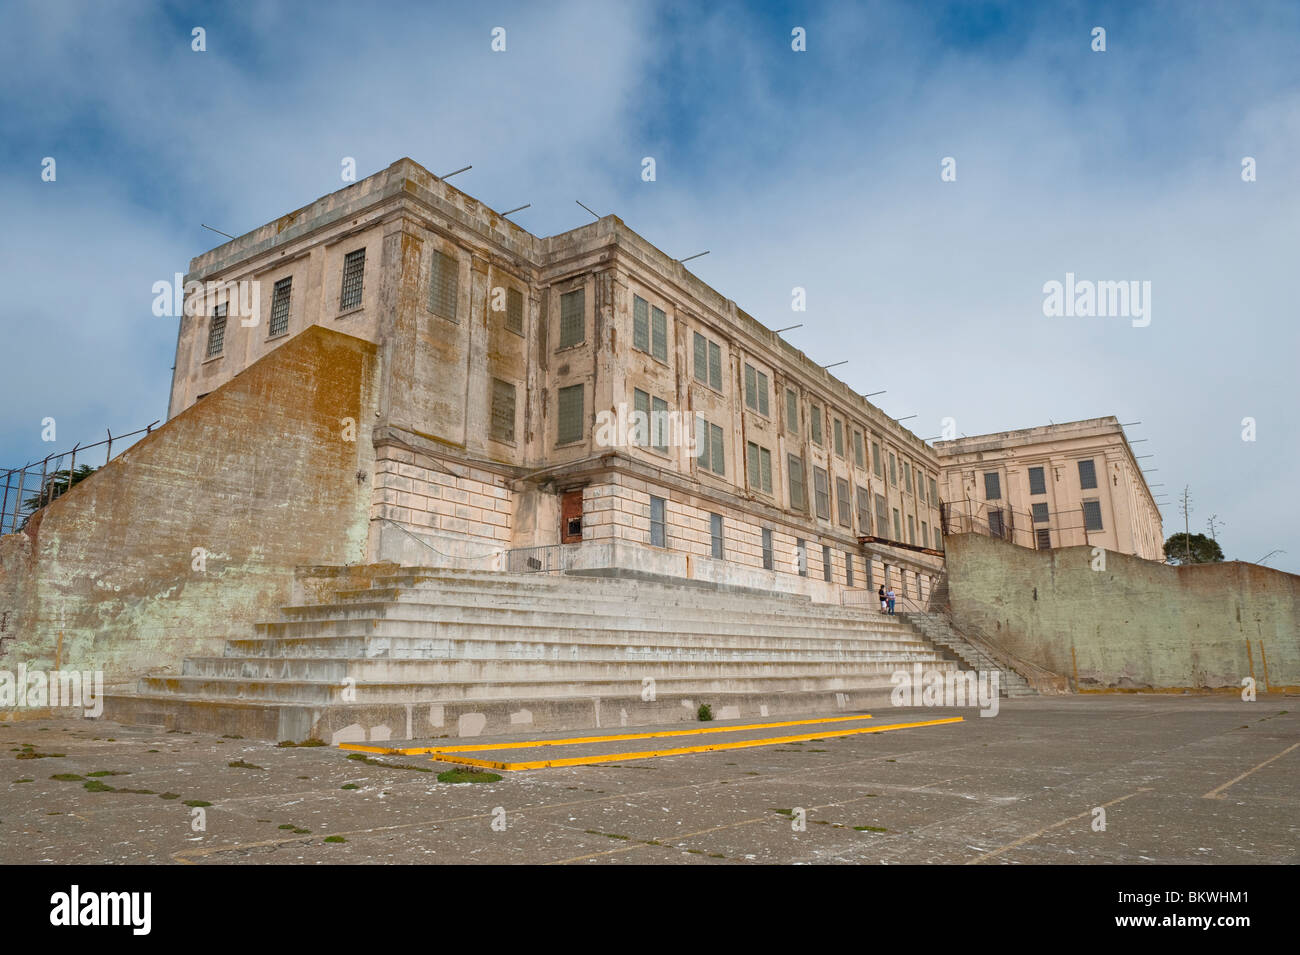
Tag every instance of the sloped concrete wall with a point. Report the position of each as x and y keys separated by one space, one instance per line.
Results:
x=258 y=474
x=1133 y=624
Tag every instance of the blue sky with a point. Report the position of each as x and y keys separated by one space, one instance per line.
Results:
x=817 y=169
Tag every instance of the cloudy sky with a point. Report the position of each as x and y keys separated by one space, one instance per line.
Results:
x=819 y=169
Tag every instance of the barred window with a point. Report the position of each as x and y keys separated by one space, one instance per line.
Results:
x=442 y=285
x=842 y=502
x=1087 y=474
x=1040 y=512
x=354 y=270
x=658 y=334
x=996 y=525
x=815 y=423
x=515 y=310
x=864 y=511
x=907 y=477
x=859 y=450
x=572 y=318
x=503 y=410
x=280 y=306
x=715 y=535
x=767 y=548
x=839 y=438
x=791 y=411
x=701 y=358
x=658 y=535
x=1037 y=481
x=1044 y=537
x=826 y=563
x=1092 y=515
x=794 y=469
x=569 y=418
x=992 y=486
x=217 y=330
x=640 y=324
x=822 y=493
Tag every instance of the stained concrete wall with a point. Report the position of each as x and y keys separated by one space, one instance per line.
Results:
x=1133 y=624
x=258 y=474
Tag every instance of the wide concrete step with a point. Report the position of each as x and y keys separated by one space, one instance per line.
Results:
x=706 y=679
x=406 y=671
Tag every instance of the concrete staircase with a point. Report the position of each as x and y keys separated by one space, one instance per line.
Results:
x=936 y=628
x=431 y=652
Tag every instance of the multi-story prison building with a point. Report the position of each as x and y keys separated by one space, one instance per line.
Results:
x=1059 y=485
x=511 y=367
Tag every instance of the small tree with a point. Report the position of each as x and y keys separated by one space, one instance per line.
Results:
x=1204 y=550
x=56 y=484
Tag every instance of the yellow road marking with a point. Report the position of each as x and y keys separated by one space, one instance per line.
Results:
x=679 y=751
x=574 y=740
x=1214 y=793
x=1056 y=825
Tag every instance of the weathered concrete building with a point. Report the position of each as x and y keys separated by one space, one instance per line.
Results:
x=1059 y=485
x=511 y=365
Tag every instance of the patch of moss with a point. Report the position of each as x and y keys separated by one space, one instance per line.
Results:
x=169 y=795
x=289 y=744
x=68 y=777
x=24 y=780
x=95 y=786
x=467 y=776
x=349 y=786
x=241 y=764
x=196 y=803
x=363 y=758
x=608 y=835
x=335 y=839
x=869 y=829
x=106 y=772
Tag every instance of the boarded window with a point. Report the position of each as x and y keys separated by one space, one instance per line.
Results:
x=515 y=310
x=354 y=269
x=767 y=548
x=280 y=306
x=822 y=493
x=442 y=285
x=826 y=563
x=1037 y=481
x=1092 y=515
x=658 y=532
x=217 y=330
x=658 y=334
x=859 y=450
x=503 y=410
x=794 y=470
x=1087 y=474
x=839 y=438
x=715 y=535
x=570 y=417
x=640 y=324
x=843 y=502
x=992 y=486
x=791 y=411
x=1040 y=512
x=573 y=305
x=815 y=423
x=864 y=511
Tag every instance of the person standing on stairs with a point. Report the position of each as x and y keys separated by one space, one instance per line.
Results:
x=891 y=597
x=882 y=598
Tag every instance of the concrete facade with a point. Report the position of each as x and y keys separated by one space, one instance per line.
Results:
x=485 y=332
x=1060 y=485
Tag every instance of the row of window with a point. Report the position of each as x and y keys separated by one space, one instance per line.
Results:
x=279 y=324
x=1038 y=480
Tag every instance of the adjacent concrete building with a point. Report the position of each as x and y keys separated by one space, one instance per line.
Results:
x=514 y=372
x=1052 y=486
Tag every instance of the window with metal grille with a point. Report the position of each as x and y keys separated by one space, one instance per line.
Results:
x=907 y=478
x=992 y=486
x=826 y=563
x=822 y=493
x=715 y=535
x=503 y=410
x=573 y=306
x=1092 y=515
x=911 y=529
x=658 y=532
x=1037 y=481
x=938 y=539
x=801 y=556
x=864 y=511
x=715 y=366
x=659 y=334
x=925 y=534
x=791 y=411
x=794 y=469
x=898 y=526
x=764 y=390
x=934 y=492
x=1087 y=474
x=843 y=503
x=711 y=456
x=760 y=468
x=815 y=423
x=701 y=358
x=569 y=416
x=354 y=270
x=515 y=310
x=767 y=549
x=1044 y=538
x=882 y=518
x=443 y=281
x=920 y=486
x=893 y=470
x=848 y=568
x=996 y=527
x=751 y=387
x=280 y=306
x=217 y=330
x=859 y=451
x=659 y=424
x=839 y=437
x=1040 y=512
x=640 y=324
x=877 y=463
x=639 y=433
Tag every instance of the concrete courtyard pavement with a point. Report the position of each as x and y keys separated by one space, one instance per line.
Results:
x=1202 y=779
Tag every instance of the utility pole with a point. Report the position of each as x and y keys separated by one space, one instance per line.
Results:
x=1187 y=510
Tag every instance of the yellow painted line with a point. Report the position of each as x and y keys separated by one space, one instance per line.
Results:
x=1056 y=825
x=679 y=751
x=1214 y=793
x=574 y=740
